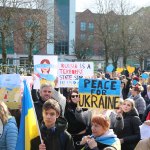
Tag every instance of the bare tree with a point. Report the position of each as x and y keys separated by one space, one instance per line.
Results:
x=141 y=44
x=30 y=23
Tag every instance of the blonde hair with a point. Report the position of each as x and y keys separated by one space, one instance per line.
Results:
x=4 y=112
x=131 y=101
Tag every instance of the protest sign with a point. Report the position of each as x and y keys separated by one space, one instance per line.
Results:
x=69 y=73
x=45 y=70
x=102 y=94
x=10 y=90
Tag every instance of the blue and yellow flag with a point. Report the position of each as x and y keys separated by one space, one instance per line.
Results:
x=28 y=126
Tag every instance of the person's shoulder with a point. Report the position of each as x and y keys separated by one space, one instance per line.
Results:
x=64 y=136
x=11 y=123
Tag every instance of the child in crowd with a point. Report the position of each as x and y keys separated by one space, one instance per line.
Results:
x=55 y=137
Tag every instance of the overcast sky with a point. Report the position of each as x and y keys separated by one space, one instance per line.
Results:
x=81 y=5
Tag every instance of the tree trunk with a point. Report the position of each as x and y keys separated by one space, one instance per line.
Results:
x=141 y=59
x=30 y=57
x=4 y=52
x=124 y=59
x=115 y=65
x=106 y=55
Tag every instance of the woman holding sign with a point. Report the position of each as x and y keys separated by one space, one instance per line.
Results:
x=8 y=129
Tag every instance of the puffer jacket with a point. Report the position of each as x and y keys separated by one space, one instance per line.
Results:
x=9 y=136
x=55 y=138
x=131 y=131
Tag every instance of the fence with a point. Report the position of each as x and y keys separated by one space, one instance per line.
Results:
x=9 y=69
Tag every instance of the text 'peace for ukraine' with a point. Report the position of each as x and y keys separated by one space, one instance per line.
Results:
x=103 y=94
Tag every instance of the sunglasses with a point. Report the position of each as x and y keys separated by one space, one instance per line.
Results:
x=74 y=96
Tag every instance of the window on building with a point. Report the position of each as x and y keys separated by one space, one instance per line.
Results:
x=35 y=48
x=23 y=61
x=82 y=36
x=91 y=37
x=61 y=47
x=113 y=28
x=83 y=26
x=91 y=27
x=9 y=43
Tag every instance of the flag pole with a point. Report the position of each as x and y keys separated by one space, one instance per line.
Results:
x=36 y=119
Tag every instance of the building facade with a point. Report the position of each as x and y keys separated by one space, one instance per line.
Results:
x=64 y=27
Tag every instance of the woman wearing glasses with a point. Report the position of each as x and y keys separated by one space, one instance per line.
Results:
x=76 y=128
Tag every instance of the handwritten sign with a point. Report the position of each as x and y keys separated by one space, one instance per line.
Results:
x=102 y=94
x=10 y=90
x=69 y=73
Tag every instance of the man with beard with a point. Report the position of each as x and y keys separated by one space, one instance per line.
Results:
x=45 y=94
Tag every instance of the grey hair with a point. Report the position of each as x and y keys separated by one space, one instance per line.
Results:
x=45 y=85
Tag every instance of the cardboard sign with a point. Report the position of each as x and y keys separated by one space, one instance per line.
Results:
x=102 y=94
x=130 y=69
x=119 y=70
x=110 y=68
x=10 y=90
x=69 y=73
x=45 y=70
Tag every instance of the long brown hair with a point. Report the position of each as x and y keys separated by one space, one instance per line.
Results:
x=4 y=112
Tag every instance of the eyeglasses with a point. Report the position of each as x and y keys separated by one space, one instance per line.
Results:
x=74 y=96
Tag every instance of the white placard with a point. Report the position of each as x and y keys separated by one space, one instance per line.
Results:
x=45 y=68
x=70 y=72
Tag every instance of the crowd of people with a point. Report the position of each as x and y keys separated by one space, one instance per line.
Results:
x=74 y=128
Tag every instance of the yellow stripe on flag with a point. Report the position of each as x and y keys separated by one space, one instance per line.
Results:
x=31 y=129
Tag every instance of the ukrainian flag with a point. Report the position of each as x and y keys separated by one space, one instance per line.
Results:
x=28 y=126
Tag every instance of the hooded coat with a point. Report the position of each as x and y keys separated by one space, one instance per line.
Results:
x=131 y=131
x=55 y=138
x=8 y=139
x=140 y=104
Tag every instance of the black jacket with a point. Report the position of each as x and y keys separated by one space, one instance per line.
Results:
x=38 y=109
x=74 y=126
x=56 y=138
x=131 y=131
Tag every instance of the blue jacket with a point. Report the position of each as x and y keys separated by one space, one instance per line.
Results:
x=9 y=136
